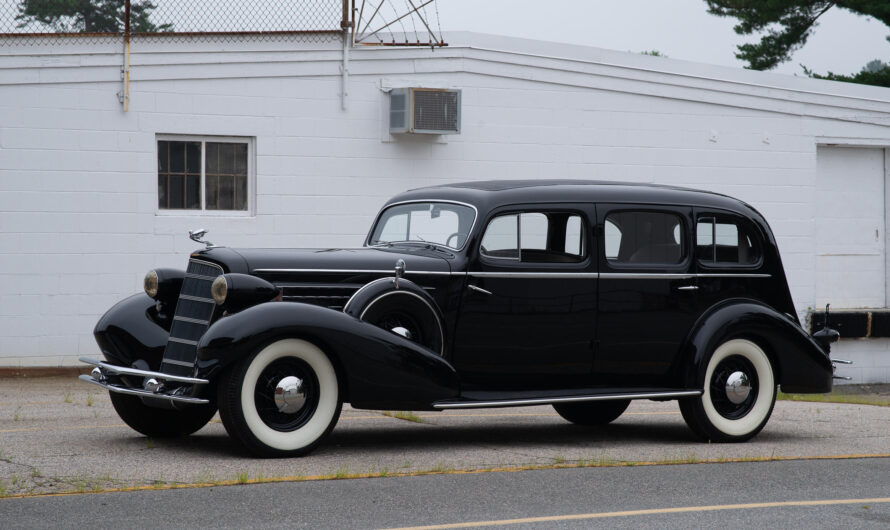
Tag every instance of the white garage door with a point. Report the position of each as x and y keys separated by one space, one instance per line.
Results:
x=850 y=225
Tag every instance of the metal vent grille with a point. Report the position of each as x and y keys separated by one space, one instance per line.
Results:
x=424 y=111
x=194 y=312
x=332 y=296
x=436 y=110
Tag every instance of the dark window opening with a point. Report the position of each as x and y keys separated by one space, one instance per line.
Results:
x=222 y=167
x=644 y=238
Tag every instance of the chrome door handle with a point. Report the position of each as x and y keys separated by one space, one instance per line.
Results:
x=688 y=288
x=478 y=289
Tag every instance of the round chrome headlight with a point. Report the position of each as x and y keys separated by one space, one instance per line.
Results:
x=151 y=284
x=219 y=290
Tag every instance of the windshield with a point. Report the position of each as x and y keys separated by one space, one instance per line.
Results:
x=439 y=223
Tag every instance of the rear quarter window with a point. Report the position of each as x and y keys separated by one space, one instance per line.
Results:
x=725 y=241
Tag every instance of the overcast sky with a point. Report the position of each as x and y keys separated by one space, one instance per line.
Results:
x=680 y=29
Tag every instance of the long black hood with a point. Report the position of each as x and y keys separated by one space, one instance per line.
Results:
x=285 y=262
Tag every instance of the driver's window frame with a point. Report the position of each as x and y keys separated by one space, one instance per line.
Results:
x=586 y=245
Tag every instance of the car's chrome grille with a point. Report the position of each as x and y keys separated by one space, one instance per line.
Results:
x=333 y=296
x=194 y=312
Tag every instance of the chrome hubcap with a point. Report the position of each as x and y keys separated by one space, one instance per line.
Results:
x=403 y=331
x=738 y=387
x=289 y=395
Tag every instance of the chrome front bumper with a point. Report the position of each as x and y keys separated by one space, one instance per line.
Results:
x=154 y=382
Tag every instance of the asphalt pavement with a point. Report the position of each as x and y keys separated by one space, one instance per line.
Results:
x=807 y=494
x=61 y=435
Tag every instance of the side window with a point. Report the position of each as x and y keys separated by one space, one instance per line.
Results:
x=536 y=237
x=644 y=238
x=721 y=240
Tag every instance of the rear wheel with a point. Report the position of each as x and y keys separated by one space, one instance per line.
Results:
x=739 y=394
x=592 y=412
x=160 y=423
x=282 y=400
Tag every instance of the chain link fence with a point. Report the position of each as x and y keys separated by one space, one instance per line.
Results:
x=100 y=21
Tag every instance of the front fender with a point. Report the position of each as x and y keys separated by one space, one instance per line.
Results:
x=801 y=365
x=130 y=331
x=379 y=369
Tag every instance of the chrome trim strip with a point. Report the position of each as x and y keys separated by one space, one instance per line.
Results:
x=197 y=299
x=313 y=297
x=144 y=393
x=607 y=275
x=359 y=271
x=645 y=276
x=208 y=263
x=443 y=405
x=183 y=341
x=732 y=275
x=124 y=370
x=576 y=275
x=178 y=363
x=415 y=201
x=191 y=320
x=200 y=276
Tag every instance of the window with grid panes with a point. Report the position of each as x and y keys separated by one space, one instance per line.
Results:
x=197 y=174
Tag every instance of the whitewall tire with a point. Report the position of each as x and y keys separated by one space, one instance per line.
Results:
x=282 y=400
x=739 y=394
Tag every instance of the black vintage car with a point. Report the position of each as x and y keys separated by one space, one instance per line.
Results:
x=581 y=295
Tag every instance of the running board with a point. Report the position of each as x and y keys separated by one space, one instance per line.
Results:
x=524 y=402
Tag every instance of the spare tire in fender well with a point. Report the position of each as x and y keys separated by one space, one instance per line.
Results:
x=421 y=320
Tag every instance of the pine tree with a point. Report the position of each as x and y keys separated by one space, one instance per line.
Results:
x=787 y=23
x=88 y=16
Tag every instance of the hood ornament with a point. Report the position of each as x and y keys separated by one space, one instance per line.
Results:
x=198 y=235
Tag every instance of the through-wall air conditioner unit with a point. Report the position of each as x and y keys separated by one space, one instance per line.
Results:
x=424 y=111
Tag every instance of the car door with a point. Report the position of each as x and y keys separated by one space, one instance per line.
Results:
x=528 y=312
x=647 y=292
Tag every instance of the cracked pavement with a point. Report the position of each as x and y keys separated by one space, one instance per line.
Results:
x=60 y=435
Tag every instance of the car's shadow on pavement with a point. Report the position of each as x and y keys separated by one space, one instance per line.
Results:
x=452 y=439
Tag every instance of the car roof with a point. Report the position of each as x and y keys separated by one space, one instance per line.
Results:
x=488 y=194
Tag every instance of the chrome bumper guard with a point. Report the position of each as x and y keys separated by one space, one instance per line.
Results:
x=834 y=363
x=154 y=382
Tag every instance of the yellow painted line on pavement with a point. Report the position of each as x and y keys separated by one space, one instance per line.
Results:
x=655 y=511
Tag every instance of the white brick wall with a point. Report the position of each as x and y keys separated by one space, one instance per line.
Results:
x=78 y=206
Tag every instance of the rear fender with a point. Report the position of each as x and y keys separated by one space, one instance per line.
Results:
x=379 y=369
x=132 y=330
x=801 y=365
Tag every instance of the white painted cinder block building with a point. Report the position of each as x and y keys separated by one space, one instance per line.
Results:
x=87 y=204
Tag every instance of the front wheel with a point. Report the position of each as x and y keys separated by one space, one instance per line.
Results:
x=160 y=423
x=592 y=412
x=739 y=394
x=282 y=400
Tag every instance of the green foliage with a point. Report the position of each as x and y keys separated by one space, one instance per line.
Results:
x=787 y=24
x=869 y=75
x=653 y=53
x=89 y=16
